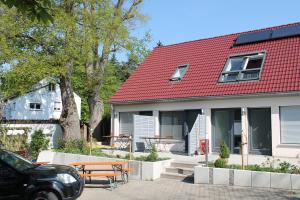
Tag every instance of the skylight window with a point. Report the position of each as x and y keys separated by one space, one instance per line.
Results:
x=179 y=73
x=243 y=68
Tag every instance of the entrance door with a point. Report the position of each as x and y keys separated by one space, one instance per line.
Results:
x=260 y=131
x=227 y=128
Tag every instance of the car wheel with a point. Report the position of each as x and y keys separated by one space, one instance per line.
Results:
x=45 y=195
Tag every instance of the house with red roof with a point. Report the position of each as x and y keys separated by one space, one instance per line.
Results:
x=242 y=88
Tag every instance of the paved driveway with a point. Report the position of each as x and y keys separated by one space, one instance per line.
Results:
x=166 y=189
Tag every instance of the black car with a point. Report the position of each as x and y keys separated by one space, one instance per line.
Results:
x=22 y=179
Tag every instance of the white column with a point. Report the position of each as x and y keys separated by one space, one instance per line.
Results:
x=245 y=127
x=116 y=123
x=156 y=122
x=207 y=113
x=275 y=129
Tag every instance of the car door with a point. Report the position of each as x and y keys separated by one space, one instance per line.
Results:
x=11 y=185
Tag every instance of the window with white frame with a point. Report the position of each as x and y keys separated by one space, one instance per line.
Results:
x=57 y=106
x=290 y=124
x=35 y=106
x=243 y=67
x=179 y=73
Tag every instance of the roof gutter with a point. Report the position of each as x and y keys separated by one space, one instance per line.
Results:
x=241 y=96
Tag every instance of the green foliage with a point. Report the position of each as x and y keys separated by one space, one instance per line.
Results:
x=77 y=146
x=38 y=143
x=224 y=151
x=34 y=9
x=14 y=143
x=220 y=163
x=153 y=156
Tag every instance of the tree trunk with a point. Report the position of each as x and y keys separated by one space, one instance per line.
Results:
x=69 y=117
x=96 y=108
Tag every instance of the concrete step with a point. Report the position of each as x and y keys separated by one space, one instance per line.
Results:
x=182 y=164
x=178 y=170
x=181 y=177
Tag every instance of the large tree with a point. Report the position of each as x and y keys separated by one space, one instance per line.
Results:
x=106 y=29
x=34 y=51
x=83 y=35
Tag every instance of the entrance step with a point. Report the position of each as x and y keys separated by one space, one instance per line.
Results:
x=182 y=164
x=180 y=170
x=181 y=177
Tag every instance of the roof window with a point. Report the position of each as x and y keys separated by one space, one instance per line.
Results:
x=243 y=68
x=179 y=73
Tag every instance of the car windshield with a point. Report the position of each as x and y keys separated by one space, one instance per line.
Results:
x=16 y=161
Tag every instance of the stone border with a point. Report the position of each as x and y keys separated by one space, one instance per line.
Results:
x=141 y=170
x=246 y=178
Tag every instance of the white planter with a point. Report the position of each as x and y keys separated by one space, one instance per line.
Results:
x=242 y=178
x=261 y=179
x=281 y=181
x=295 y=178
x=201 y=175
x=220 y=176
x=152 y=170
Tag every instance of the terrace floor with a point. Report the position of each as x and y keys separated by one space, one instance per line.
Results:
x=168 y=189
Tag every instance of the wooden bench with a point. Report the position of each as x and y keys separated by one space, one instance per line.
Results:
x=124 y=172
x=110 y=177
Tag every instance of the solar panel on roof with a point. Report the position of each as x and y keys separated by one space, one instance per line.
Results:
x=286 y=32
x=253 y=37
x=268 y=35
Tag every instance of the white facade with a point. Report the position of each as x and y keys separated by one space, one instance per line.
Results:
x=49 y=100
x=245 y=103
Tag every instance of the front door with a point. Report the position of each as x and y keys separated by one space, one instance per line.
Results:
x=226 y=127
x=260 y=131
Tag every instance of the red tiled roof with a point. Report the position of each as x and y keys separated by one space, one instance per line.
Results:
x=206 y=59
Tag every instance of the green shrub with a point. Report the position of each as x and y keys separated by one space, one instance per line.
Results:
x=76 y=146
x=153 y=156
x=220 y=163
x=224 y=150
x=38 y=143
x=14 y=143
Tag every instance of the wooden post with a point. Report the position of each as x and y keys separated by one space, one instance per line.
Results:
x=130 y=147
x=90 y=138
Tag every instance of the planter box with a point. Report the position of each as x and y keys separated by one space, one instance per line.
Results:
x=295 y=179
x=201 y=175
x=220 y=176
x=261 y=179
x=281 y=181
x=242 y=178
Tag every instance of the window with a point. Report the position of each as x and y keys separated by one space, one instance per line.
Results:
x=35 y=106
x=51 y=87
x=171 y=124
x=243 y=68
x=290 y=124
x=126 y=123
x=179 y=73
x=57 y=105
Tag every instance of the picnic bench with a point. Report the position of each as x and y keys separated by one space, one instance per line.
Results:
x=116 y=167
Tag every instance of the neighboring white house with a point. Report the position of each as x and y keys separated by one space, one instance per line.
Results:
x=241 y=88
x=40 y=108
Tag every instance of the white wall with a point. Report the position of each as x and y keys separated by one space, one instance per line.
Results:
x=253 y=102
x=18 y=108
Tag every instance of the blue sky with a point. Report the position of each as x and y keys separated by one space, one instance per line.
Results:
x=174 y=21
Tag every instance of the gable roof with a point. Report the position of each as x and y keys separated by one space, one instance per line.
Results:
x=206 y=59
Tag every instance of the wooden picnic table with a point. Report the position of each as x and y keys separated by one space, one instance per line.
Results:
x=117 y=169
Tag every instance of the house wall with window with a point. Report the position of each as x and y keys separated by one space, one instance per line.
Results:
x=43 y=103
x=284 y=119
